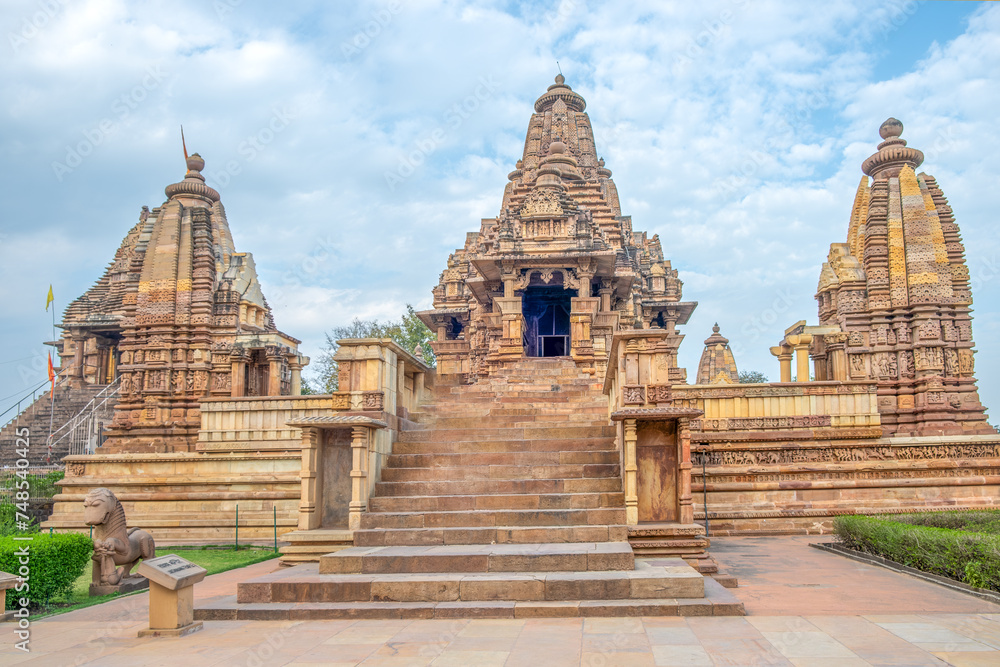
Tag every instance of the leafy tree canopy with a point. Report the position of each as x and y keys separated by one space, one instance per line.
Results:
x=752 y=377
x=407 y=332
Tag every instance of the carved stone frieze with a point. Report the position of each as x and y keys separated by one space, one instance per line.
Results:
x=634 y=394
x=373 y=400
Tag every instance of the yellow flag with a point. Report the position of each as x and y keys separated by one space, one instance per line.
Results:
x=49 y=299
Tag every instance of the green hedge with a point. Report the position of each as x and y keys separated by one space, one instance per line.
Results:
x=976 y=521
x=54 y=563
x=8 y=521
x=973 y=558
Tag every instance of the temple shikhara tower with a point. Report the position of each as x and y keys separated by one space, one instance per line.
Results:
x=894 y=300
x=560 y=269
x=177 y=316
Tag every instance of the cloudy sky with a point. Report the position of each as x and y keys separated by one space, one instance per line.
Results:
x=735 y=130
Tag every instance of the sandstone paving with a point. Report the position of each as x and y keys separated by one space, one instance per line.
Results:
x=903 y=629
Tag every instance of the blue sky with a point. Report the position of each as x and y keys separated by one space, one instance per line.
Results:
x=735 y=130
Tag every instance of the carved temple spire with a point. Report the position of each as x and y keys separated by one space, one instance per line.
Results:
x=717 y=365
x=898 y=292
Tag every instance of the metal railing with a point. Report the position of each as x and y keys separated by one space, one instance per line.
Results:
x=85 y=431
x=16 y=407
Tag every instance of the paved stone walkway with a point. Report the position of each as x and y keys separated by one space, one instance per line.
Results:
x=805 y=607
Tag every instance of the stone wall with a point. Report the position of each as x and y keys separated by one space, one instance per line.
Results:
x=788 y=458
x=245 y=456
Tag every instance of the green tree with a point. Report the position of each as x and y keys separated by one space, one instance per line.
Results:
x=752 y=377
x=407 y=332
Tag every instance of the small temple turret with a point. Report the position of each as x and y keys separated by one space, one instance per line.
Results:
x=717 y=365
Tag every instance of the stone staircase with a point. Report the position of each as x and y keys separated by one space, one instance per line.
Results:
x=68 y=403
x=507 y=502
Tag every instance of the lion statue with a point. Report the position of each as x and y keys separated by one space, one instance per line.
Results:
x=114 y=544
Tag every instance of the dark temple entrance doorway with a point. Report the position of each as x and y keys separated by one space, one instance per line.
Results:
x=546 y=319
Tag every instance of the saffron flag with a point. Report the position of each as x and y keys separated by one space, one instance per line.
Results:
x=52 y=373
x=49 y=299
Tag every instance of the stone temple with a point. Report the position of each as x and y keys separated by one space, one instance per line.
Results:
x=557 y=461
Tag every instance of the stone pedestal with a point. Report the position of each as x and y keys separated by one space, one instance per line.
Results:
x=171 y=613
x=171 y=596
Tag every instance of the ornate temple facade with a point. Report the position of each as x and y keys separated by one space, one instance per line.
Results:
x=894 y=301
x=560 y=269
x=178 y=316
x=556 y=328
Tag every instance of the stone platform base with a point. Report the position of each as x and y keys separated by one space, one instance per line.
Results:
x=478 y=581
x=717 y=602
x=127 y=586
x=188 y=629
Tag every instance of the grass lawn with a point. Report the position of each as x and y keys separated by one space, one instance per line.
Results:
x=213 y=559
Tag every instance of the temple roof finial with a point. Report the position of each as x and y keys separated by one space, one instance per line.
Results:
x=193 y=184
x=893 y=153
x=891 y=128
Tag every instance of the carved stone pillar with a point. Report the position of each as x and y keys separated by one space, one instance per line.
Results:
x=295 y=364
x=77 y=373
x=684 y=502
x=582 y=313
x=360 y=436
x=800 y=343
x=605 y=295
x=631 y=469
x=512 y=341
x=784 y=354
x=239 y=359
x=400 y=385
x=309 y=517
x=274 y=361
x=836 y=357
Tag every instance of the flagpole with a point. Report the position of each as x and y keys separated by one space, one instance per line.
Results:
x=52 y=389
x=52 y=413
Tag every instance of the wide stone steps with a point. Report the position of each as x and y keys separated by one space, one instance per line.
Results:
x=583 y=556
x=575 y=417
x=485 y=472
x=506 y=502
x=642 y=583
x=498 y=486
x=669 y=587
x=411 y=537
x=493 y=518
x=467 y=503
x=479 y=434
x=717 y=602
x=581 y=444
x=452 y=460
